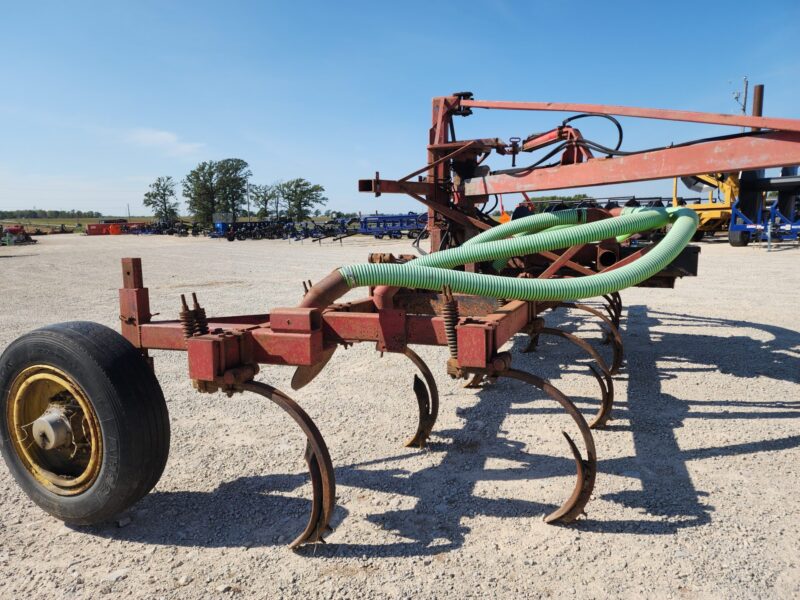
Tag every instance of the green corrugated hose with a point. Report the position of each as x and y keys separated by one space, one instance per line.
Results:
x=434 y=271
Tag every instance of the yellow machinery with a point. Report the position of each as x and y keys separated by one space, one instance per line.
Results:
x=715 y=214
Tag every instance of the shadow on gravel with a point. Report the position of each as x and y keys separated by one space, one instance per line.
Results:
x=252 y=512
x=668 y=496
x=246 y=512
x=668 y=500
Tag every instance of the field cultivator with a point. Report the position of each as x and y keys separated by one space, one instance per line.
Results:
x=87 y=438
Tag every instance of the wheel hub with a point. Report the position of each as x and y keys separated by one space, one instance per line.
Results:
x=54 y=430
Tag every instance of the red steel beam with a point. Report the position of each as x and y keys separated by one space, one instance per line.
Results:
x=480 y=340
x=764 y=150
x=390 y=186
x=644 y=113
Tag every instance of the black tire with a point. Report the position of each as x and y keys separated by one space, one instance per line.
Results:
x=698 y=235
x=129 y=405
x=739 y=238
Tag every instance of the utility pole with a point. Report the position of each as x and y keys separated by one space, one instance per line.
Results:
x=741 y=97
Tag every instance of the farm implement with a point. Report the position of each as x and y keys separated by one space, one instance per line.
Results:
x=411 y=225
x=15 y=235
x=749 y=205
x=84 y=423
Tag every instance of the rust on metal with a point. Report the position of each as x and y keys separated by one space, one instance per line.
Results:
x=318 y=459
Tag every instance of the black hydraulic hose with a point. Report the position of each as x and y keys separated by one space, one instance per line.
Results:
x=608 y=117
x=521 y=170
x=487 y=211
x=719 y=138
x=611 y=152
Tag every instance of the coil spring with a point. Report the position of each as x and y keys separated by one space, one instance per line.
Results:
x=187 y=319
x=194 y=320
x=450 y=316
x=201 y=321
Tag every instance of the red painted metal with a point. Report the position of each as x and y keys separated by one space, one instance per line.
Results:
x=298 y=336
x=758 y=151
x=644 y=113
x=304 y=336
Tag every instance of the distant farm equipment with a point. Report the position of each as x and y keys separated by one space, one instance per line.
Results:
x=411 y=225
x=123 y=226
x=749 y=205
x=113 y=227
x=15 y=235
x=394 y=226
x=53 y=230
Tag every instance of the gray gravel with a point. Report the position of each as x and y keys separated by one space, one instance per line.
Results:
x=697 y=494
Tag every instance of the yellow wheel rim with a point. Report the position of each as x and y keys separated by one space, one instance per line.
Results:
x=72 y=468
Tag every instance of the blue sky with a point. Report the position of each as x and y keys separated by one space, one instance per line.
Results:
x=97 y=99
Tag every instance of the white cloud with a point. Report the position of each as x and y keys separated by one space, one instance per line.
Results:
x=166 y=141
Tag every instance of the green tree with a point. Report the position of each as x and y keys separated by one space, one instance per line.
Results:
x=231 y=184
x=301 y=196
x=199 y=189
x=161 y=199
x=267 y=199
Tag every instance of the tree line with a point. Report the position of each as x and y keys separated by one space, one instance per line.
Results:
x=223 y=186
x=35 y=213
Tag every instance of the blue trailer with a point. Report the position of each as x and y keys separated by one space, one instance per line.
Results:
x=413 y=225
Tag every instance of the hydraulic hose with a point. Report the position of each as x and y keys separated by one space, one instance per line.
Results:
x=433 y=271
x=530 y=224
x=552 y=239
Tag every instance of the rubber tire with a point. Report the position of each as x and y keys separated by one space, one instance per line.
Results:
x=698 y=235
x=129 y=404
x=739 y=238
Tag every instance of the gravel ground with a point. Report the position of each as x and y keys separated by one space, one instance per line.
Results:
x=697 y=495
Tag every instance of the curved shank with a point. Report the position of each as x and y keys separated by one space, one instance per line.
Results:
x=613 y=307
x=603 y=377
x=613 y=332
x=586 y=469
x=319 y=463
x=427 y=399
